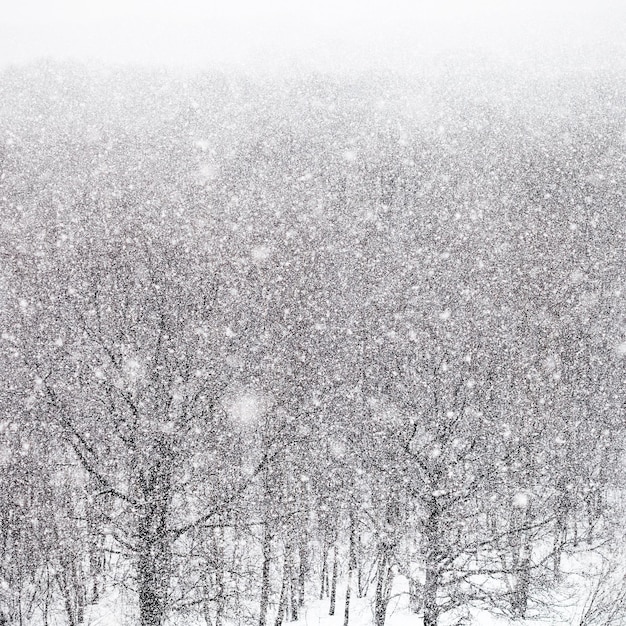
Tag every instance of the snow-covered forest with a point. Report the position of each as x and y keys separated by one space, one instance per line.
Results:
x=318 y=348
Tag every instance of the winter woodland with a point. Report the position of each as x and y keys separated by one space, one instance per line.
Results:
x=316 y=348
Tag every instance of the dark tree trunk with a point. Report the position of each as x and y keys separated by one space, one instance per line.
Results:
x=304 y=566
x=351 y=567
x=432 y=557
x=360 y=583
x=292 y=582
x=522 y=578
x=96 y=553
x=380 y=599
x=522 y=585
x=431 y=587
x=293 y=601
x=324 y=577
x=265 y=575
x=153 y=558
x=153 y=578
x=521 y=570
x=560 y=536
x=282 y=603
x=562 y=509
x=220 y=599
x=73 y=590
x=333 y=583
x=151 y=605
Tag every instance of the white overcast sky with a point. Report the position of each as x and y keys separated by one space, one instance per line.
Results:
x=340 y=32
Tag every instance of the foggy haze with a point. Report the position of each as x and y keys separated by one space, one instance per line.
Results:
x=323 y=35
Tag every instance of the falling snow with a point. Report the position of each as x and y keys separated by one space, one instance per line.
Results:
x=315 y=318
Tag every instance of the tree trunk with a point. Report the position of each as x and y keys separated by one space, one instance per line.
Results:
x=153 y=562
x=73 y=590
x=431 y=587
x=151 y=605
x=292 y=581
x=432 y=557
x=362 y=576
x=520 y=542
x=206 y=603
x=560 y=536
x=522 y=579
x=96 y=553
x=282 y=603
x=562 y=508
x=415 y=596
x=351 y=567
x=324 y=577
x=293 y=600
x=333 y=583
x=219 y=575
x=304 y=566
x=265 y=575
x=380 y=599
x=152 y=581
